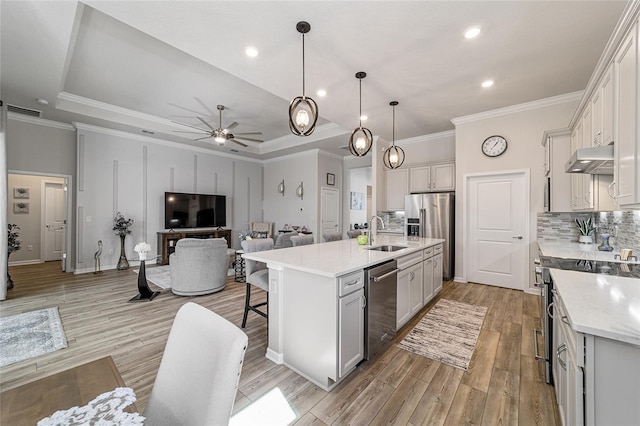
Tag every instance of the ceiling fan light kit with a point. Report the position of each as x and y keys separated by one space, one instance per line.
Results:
x=361 y=138
x=303 y=111
x=393 y=157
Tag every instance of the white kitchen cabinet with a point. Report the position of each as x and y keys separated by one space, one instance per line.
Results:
x=351 y=335
x=437 y=273
x=427 y=279
x=409 y=288
x=627 y=142
x=602 y=111
x=557 y=145
x=432 y=177
x=396 y=188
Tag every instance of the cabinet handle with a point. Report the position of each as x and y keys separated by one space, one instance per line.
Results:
x=538 y=357
x=574 y=201
x=561 y=348
x=519 y=237
x=350 y=283
x=364 y=302
x=413 y=275
x=565 y=320
x=610 y=190
x=549 y=310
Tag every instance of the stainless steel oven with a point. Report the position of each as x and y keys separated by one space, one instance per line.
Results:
x=545 y=284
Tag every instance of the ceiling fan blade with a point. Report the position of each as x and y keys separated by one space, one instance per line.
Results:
x=203 y=105
x=185 y=131
x=239 y=143
x=205 y=123
x=247 y=139
x=247 y=133
x=200 y=139
x=232 y=125
x=189 y=125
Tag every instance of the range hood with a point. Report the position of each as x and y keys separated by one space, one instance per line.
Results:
x=596 y=161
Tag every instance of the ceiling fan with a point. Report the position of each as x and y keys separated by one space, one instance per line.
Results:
x=221 y=134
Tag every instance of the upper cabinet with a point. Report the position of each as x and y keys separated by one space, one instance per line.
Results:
x=432 y=178
x=602 y=108
x=396 y=185
x=627 y=140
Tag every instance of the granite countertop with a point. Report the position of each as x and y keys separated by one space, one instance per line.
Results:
x=337 y=258
x=580 y=252
x=601 y=305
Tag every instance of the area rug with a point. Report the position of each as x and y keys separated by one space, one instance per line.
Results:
x=31 y=334
x=161 y=275
x=447 y=333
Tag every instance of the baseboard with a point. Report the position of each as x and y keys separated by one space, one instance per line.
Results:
x=460 y=279
x=274 y=356
x=26 y=262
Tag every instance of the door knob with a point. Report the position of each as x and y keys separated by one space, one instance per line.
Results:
x=519 y=237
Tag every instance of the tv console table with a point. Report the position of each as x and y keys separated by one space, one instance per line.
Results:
x=167 y=240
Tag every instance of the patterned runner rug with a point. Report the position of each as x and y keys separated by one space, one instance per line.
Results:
x=447 y=333
x=31 y=334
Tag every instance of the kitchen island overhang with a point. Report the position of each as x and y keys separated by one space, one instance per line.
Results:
x=303 y=337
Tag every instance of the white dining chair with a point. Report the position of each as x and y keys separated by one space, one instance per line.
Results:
x=257 y=274
x=301 y=240
x=199 y=372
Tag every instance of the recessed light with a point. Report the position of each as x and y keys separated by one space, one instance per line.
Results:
x=363 y=117
x=42 y=101
x=472 y=32
x=251 y=51
x=322 y=93
x=487 y=83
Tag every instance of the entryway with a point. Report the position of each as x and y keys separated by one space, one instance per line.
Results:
x=330 y=211
x=496 y=216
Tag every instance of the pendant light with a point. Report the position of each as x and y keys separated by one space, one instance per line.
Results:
x=393 y=157
x=361 y=138
x=303 y=111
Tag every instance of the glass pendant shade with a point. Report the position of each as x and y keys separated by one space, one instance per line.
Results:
x=393 y=157
x=303 y=111
x=361 y=138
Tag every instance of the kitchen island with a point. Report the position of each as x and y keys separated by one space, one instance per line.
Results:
x=316 y=322
x=596 y=338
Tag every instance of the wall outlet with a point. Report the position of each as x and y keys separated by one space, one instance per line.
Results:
x=29 y=247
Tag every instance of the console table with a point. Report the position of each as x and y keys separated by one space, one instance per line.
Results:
x=167 y=240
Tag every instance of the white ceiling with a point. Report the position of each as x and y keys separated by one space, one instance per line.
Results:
x=133 y=65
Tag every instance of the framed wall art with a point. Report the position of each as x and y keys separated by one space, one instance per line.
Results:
x=20 y=192
x=357 y=201
x=331 y=179
x=21 y=207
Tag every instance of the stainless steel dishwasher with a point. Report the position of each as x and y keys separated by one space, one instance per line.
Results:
x=380 y=312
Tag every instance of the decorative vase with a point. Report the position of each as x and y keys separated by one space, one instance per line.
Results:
x=586 y=239
x=605 y=243
x=143 y=255
x=123 y=263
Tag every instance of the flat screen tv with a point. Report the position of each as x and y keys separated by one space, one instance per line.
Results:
x=183 y=210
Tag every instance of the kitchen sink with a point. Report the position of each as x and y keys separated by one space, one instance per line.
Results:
x=388 y=247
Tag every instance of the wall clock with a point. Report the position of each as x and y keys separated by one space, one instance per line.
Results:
x=494 y=146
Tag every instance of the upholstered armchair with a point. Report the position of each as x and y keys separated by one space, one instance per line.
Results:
x=332 y=236
x=199 y=266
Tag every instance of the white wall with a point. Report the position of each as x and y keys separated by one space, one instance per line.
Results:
x=290 y=209
x=360 y=178
x=429 y=148
x=522 y=126
x=118 y=171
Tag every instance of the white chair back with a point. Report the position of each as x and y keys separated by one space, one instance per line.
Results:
x=199 y=372
x=301 y=240
x=332 y=236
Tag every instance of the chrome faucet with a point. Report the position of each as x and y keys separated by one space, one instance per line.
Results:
x=370 y=239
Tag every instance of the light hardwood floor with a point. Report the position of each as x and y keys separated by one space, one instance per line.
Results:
x=503 y=386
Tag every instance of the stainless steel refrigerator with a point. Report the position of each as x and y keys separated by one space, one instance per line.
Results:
x=432 y=216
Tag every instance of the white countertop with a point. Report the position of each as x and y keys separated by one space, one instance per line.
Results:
x=601 y=305
x=579 y=251
x=337 y=258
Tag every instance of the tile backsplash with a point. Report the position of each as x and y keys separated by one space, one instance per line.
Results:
x=393 y=220
x=623 y=226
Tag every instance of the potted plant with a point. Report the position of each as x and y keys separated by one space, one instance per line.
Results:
x=121 y=226
x=585 y=227
x=13 y=244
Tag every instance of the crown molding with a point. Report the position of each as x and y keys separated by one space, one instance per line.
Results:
x=311 y=152
x=39 y=121
x=527 y=106
x=330 y=155
x=147 y=139
x=426 y=138
x=324 y=131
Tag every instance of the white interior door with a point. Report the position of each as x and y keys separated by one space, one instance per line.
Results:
x=330 y=211
x=497 y=217
x=54 y=221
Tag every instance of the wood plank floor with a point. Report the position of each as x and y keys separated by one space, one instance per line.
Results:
x=503 y=386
